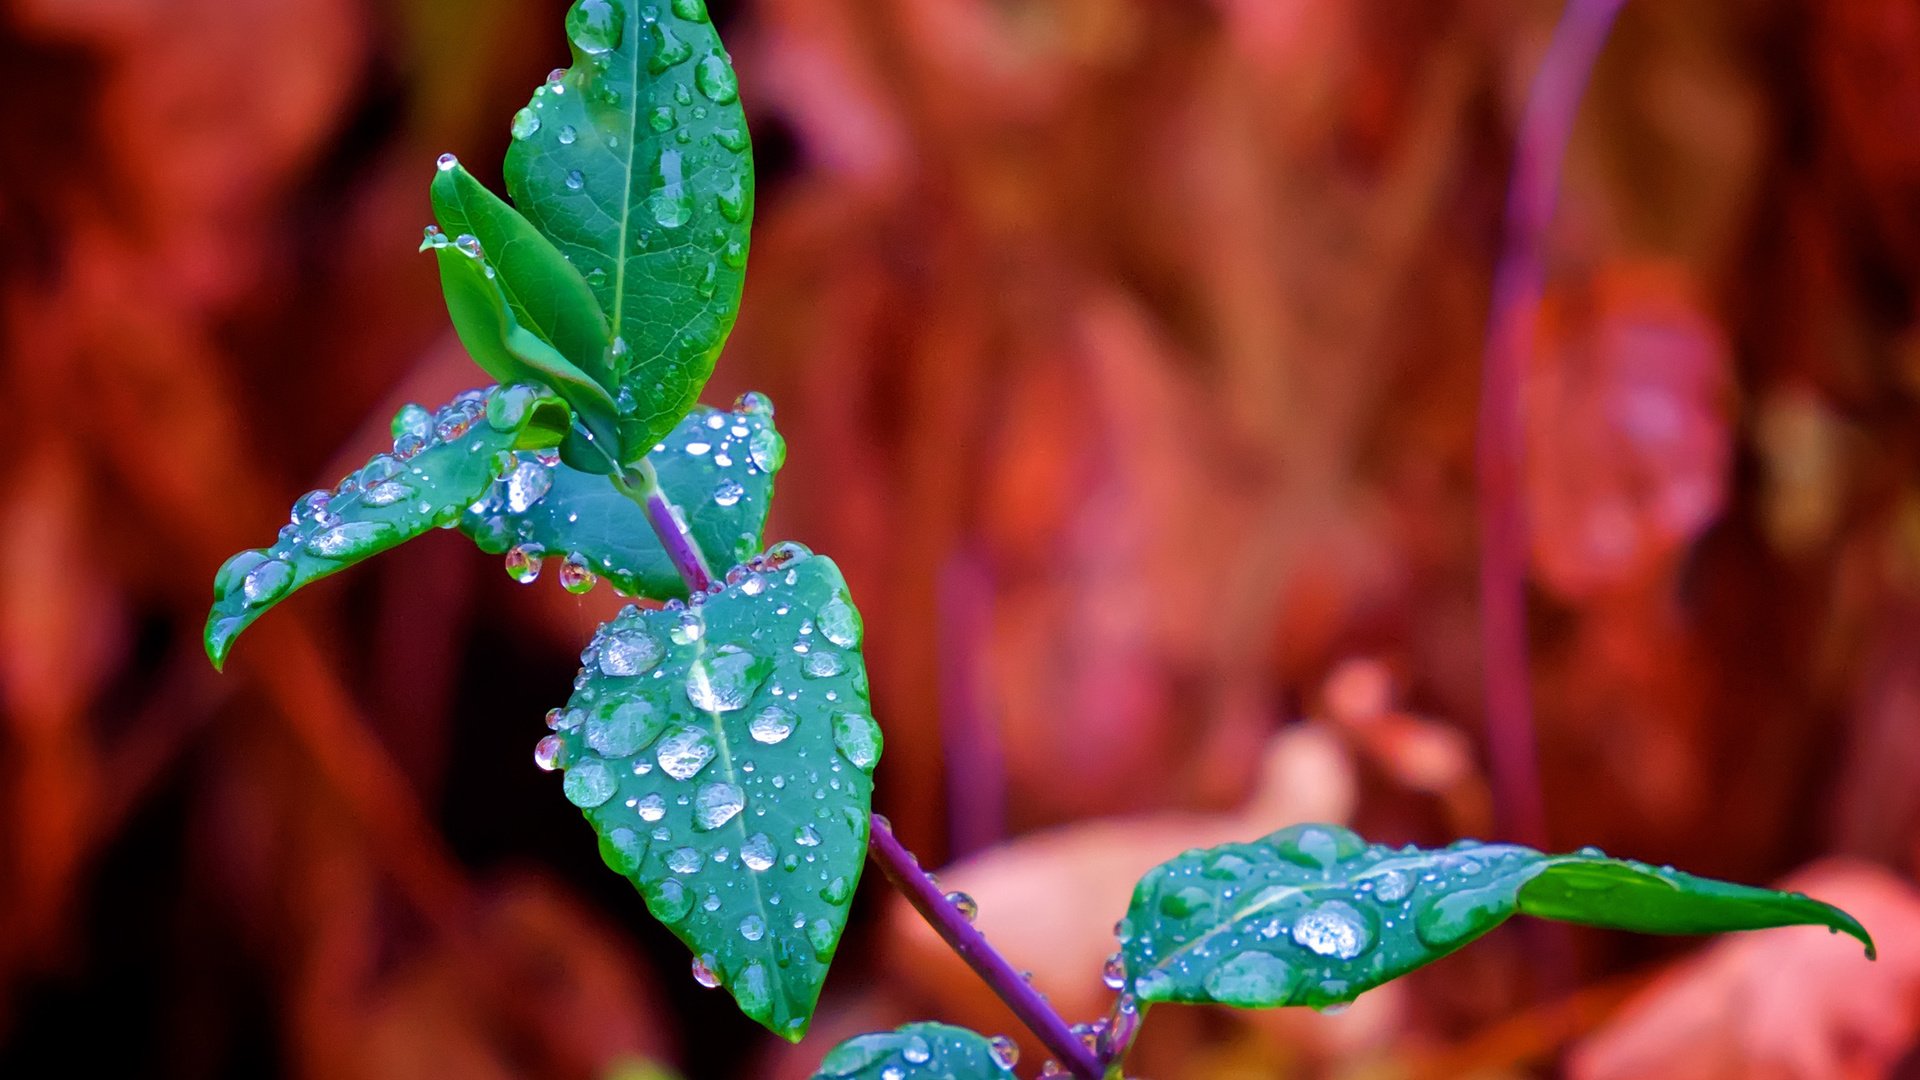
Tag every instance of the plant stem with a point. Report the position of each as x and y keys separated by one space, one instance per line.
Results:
x=904 y=871
x=1541 y=148
x=641 y=484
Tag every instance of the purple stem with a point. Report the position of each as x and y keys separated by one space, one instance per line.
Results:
x=1545 y=131
x=904 y=871
x=642 y=485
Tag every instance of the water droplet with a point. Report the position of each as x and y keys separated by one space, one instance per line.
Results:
x=1335 y=929
x=526 y=124
x=836 y=891
x=806 y=836
x=1392 y=886
x=822 y=664
x=651 y=807
x=622 y=850
x=662 y=119
x=594 y=26
x=1006 y=1052
x=1114 y=972
x=734 y=139
x=691 y=10
x=687 y=628
x=568 y=134
x=716 y=804
x=728 y=492
x=668 y=49
x=546 y=752
x=589 y=783
x=1250 y=980
x=685 y=752
x=624 y=730
x=753 y=928
x=703 y=972
x=839 y=622
x=726 y=679
x=1185 y=902
x=266 y=582
x=353 y=539
x=695 y=449
x=627 y=652
x=758 y=852
x=411 y=420
x=575 y=576
x=684 y=860
x=668 y=899
x=523 y=562
x=574 y=180
x=772 y=725
x=386 y=493
x=715 y=78
x=966 y=905
x=857 y=738
x=446 y=162
x=671 y=200
x=916 y=1051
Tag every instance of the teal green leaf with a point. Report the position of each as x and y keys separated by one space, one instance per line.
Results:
x=635 y=162
x=1313 y=915
x=440 y=462
x=918 y=1052
x=723 y=749
x=493 y=336
x=717 y=467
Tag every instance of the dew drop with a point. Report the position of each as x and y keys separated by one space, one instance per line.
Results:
x=352 y=539
x=624 y=730
x=967 y=906
x=526 y=124
x=684 y=860
x=594 y=26
x=772 y=725
x=589 y=783
x=671 y=200
x=726 y=679
x=1334 y=929
x=575 y=576
x=716 y=804
x=446 y=162
x=575 y=181
x=1114 y=972
x=546 y=752
x=266 y=582
x=857 y=738
x=1392 y=886
x=728 y=492
x=716 y=80
x=627 y=652
x=839 y=622
x=757 y=853
x=1250 y=980
x=651 y=807
x=1006 y=1052
x=753 y=928
x=703 y=972
x=523 y=563
x=685 y=752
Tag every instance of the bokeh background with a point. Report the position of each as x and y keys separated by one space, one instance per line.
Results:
x=1129 y=353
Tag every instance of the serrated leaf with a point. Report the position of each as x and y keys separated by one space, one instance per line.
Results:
x=722 y=750
x=717 y=468
x=1313 y=915
x=635 y=162
x=440 y=462
x=493 y=336
x=915 y=1052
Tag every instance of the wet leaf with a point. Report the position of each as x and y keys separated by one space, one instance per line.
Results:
x=440 y=462
x=723 y=752
x=491 y=331
x=915 y=1052
x=636 y=163
x=717 y=468
x=543 y=292
x=1313 y=915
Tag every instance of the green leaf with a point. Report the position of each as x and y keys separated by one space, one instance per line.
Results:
x=716 y=467
x=1313 y=915
x=918 y=1052
x=636 y=164
x=493 y=336
x=722 y=750
x=440 y=462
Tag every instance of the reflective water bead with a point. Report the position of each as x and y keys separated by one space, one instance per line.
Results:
x=683 y=753
x=716 y=804
x=725 y=680
x=966 y=905
x=546 y=752
x=567 y=135
x=446 y=162
x=575 y=576
x=684 y=860
x=526 y=123
x=772 y=725
x=352 y=539
x=266 y=582
x=753 y=928
x=523 y=562
x=758 y=852
x=839 y=622
x=651 y=807
x=728 y=492
x=526 y=484
x=589 y=783
x=1334 y=929
x=703 y=972
x=1114 y=972
x=1006 y=1052
x=628 y=651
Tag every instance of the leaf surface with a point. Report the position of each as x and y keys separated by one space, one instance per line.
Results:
x=915 y=1052
x=723 y=750
x=439 y=463
x=1313 y=915
x=635 y=162
x=717 y=468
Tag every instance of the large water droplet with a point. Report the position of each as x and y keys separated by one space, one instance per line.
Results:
x=772 y=725
x=715 y=78
x=966 y=905
x=716 y=804
x=684 y=860
x=624 y=731
x=671 y=200
x=567 y=134
x=1392 y=886
x=1006 y=1052
x=575 y=576
x=1335 y=929
x=728 y=492
x=668 y=899
x=753 y=927
x=386 y=493
x=411 y=420
x=839 y=622
x=526 y=124
x=546 y=752
x=857 y=738
x=735 y=200
x=726 y=679
x=446 y=162
x=1114 y=972
x=822 y=664
x=1250 y=980
x=525 y=485
x=589 y=783
x=266 y=582
x=686 y=751
x=523 y=562
x=594 y=26
x=651 y=807
x=758 y=852
x=627 y=652
x=353 y=539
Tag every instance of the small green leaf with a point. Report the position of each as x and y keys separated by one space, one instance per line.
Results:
x=440 y=462
x=716 y=467
x=1313 y=915
x=510 y=352
x=636 y=164
x=723 y=749
x=918 y=1052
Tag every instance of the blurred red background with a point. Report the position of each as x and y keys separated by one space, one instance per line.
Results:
x=1129 y=356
